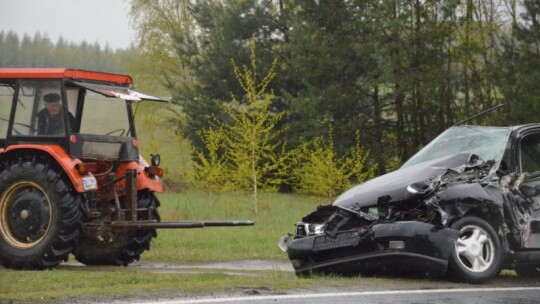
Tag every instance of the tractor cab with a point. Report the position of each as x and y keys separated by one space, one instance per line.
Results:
x=88 y=114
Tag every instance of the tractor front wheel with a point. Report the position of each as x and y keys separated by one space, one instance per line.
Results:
x=124 y=247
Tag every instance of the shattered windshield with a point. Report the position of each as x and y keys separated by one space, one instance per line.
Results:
x=487 y=142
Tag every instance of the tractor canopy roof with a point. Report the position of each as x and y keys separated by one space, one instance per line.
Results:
x=107 y=84
x=56 y=73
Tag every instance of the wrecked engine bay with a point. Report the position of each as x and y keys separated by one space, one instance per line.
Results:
x=458 y=215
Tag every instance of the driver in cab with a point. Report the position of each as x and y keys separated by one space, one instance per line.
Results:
x=50 y=121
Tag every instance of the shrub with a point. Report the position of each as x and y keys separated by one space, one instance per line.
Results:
x=321 y=172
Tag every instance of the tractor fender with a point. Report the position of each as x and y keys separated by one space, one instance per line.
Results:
x=144 y=181
x=60 y=156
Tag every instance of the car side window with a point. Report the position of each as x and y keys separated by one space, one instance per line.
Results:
x=530 y=153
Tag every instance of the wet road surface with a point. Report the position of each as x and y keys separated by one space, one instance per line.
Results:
x=499 y=290
x=509 y=295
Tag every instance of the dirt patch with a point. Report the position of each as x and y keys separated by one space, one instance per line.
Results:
x=232 y=265
x=240 y=267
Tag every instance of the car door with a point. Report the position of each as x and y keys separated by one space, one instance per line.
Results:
x=529 y=163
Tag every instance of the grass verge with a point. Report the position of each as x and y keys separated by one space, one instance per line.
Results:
x=68 y=284
x=277 y=215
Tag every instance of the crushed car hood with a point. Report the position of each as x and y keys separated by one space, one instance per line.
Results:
x=392 y=187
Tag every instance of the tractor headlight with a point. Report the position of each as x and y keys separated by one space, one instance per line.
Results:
x=155 y=159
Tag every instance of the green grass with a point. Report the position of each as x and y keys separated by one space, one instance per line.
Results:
x=65 y=284
x=277 y=215
x=68 y=284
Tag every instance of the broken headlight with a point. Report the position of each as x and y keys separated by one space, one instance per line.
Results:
x=307 y=229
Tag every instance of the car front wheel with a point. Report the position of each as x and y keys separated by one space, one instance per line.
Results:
x=477 y=255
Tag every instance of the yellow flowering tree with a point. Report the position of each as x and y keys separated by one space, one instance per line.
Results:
x=245 y=152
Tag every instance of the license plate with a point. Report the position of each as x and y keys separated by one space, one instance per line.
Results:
x=89 y=183
x=344 y=239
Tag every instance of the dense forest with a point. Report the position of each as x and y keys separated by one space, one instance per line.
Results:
x=399 y=71
x=40 y=51
x=396 y=72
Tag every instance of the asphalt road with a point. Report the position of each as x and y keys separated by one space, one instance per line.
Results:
x=499 y=290
x=509 y=295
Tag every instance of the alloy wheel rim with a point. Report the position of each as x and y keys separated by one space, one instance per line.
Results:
x=475 y=249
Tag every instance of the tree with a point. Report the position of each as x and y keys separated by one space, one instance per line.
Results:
x=210 y=167
x=10 y=49
x=156 y=23
x=520 y=66
x=400 y=71
x=251 y=146
x=39 y=51
x=221 y=30
x=327 y=67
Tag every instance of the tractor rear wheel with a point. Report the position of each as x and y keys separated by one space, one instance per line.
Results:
x=39 y=215
x=124 y=248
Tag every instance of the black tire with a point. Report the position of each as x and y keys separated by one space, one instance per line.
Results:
x=528 y=271
x=477 y=256
x=124 y=248
x=39 y=215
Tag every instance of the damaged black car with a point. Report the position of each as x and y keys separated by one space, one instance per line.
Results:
x=466 y=205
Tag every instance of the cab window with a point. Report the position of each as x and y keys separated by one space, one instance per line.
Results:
x=6 y=99
x=104 y=116
x=39 y=110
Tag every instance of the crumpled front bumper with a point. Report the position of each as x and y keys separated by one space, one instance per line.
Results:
x=403 y=245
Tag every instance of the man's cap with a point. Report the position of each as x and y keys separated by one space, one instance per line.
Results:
x=51 y=97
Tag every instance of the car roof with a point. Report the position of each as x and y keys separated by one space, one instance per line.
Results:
x=59 y=73
x=525 y=126
x=518 y=129
x=513 y=128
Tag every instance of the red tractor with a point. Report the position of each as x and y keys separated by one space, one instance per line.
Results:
x=71 y=177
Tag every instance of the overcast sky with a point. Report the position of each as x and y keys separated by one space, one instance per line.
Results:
x=102 y=21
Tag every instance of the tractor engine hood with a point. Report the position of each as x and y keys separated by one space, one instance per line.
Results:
x=392 y=187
